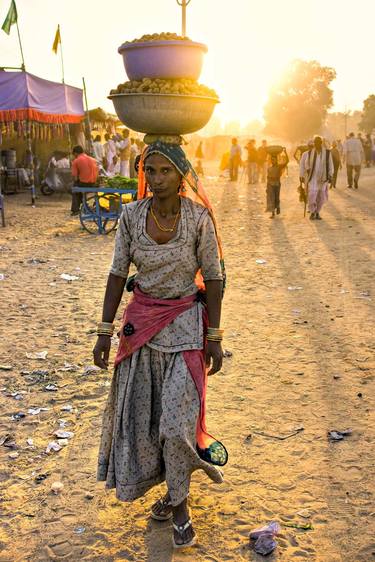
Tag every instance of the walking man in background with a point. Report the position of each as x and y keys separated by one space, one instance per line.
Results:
x=252 y=162
x=353 y=156
x=85 y=174
x=316 y=170
x=336 y=159
x=262 y=161
x=234 y=160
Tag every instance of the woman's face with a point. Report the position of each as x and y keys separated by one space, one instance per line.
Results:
x=162 y=177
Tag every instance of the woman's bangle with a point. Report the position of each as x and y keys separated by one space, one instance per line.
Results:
x=214 y=338
x=105 y=329
x=215 y=331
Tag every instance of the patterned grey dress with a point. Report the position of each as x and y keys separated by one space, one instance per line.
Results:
x=149 y=422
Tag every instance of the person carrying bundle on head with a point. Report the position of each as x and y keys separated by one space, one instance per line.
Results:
x=274 y=173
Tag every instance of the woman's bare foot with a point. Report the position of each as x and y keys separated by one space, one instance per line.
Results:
x=162 y=509
x=184 y=534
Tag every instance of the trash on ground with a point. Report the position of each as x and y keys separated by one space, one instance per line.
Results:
x=41 y=477
x=281 y=437
x=264 y=538
x=260 y=261
x=294 y=288
x=302 y=526
x=2 y=276
x=36 y=411
x=36 y=261
x=69 y=368
x=90 y=370
x=14 y=455
x=79 y=530
x=17 y=395
x=227 y=353
x=42 y=355
x=61 y=434
x=51 y=388
x=8 y=441
x=53 y=446
x=305 y=513
x=335 y=435
x=57 y=487
x=18 y=416
x=68 y=277
x=67 y=408
x=6 y=367
x=36 y=373
x=30 y=442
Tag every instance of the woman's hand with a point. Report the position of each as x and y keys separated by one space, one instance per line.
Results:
x=101 y=351
x=214 y=357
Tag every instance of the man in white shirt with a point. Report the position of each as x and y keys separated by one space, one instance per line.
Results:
x=98 y=149
x=125 y=154
x=353 y=156
x=316 y=170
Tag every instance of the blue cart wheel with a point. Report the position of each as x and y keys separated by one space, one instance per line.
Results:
x=94 y=217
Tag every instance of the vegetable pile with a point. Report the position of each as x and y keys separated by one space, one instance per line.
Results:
x=122 y=183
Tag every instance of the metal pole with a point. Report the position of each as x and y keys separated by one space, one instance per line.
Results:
x=62 y=60
x=19 y=39
x=32 y=178
x=183 y=18
x=183 y=4
x=87 y=115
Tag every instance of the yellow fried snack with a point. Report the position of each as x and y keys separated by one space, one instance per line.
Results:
x=165 y=36
x=184 y=87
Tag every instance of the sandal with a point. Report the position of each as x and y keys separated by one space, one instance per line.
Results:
x=181 y=530
x=165 y=510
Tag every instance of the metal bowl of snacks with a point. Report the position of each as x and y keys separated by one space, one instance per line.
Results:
x=166 y=114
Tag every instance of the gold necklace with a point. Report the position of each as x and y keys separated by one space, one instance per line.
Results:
x=163 y=228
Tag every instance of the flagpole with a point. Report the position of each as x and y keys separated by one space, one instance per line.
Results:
x=87 y=115
x=19 y=39
x=62 y=59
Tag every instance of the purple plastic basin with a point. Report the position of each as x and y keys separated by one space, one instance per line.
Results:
x=163 y=59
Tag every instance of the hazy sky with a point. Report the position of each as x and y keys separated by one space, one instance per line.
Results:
x=250 y=42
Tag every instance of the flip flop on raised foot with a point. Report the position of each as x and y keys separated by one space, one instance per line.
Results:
x=162 y=509
x=181 y=530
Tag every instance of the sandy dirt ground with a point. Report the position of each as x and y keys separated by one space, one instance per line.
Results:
x=301 y=330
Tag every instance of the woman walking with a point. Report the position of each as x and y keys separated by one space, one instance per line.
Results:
x=154 y=420
x=274 y=173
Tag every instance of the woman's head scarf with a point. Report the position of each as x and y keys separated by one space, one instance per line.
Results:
x=191 y=185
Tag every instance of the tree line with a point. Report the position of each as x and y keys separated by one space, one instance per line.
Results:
x=298 y=104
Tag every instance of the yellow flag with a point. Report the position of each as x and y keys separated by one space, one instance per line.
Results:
x=57 y=40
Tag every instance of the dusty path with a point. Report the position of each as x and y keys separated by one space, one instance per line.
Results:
x=302 y=357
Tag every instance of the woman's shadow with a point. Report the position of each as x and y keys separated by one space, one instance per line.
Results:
x=158 y=541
